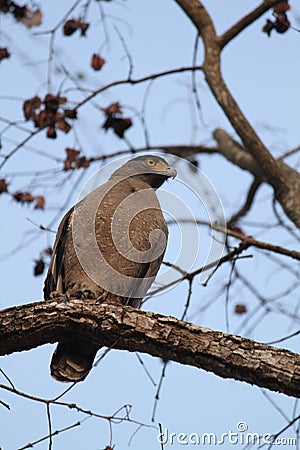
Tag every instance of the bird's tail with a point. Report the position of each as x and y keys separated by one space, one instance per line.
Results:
x=72 y=360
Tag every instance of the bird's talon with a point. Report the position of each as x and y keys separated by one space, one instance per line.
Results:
x=87 y=293
x=55 y=294
x=100 y=300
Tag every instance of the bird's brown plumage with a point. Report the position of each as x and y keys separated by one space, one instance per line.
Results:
x=109 y=246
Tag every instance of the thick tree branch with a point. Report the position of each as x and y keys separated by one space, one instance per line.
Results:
x=234 y=152
x=287 y=189
x=28 y=326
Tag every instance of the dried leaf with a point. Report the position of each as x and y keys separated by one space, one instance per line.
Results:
x=51 y=133
x=72 y=153
x=97 y=62
x=30 y=106
x=23 y=197
x=269 y=26
x=48 y=251
x=39 y=267
x=3 y=186
x=20 y=11
x=82 y=162
x=73 y=161
x=240 y=309
x=281 y=7
x=68 y=165
x=32 y=19
x=71 y=113
x=39 y=202
x=113 y=108
x=118 y=124
x=70 y=27
x=73 y=25
x=52 y=102
x=83 y=27
x=282 y=23
x=63 y=125
x=4 y=53
x=44 y=119
x=4 y=6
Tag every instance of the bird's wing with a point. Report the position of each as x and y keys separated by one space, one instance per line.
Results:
x=146 y=275
x=55 y=276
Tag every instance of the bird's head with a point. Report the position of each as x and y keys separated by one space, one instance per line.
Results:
x=152 y=169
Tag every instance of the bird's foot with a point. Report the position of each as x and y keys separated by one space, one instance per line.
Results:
x=101 y=298
x=56 y=295
x=83 y=294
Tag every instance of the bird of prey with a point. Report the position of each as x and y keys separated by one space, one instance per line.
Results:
x=109 y=246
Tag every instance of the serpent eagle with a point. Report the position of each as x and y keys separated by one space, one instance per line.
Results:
x=109 y=246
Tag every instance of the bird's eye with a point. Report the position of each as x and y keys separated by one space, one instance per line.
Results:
x=150 y=162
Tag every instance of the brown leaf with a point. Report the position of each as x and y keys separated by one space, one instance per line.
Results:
x=282 y=23
x=82 y=162
x=240 y=309
x=281 y=7
x=4 y=6
x=269 y=26
x=39 y=267
x=52 y=102
x=73 y=161
x=72 y=153
x=73 y=25
x=20 y=11
x=39 y=202
x=83 y=28
x=118 y=124
x=32 y=19
x=3 y=186
x=30 y=106
x=71 y=113
x=58 y=116
x=23 y=197
x=68 y=165
x=48 y=251
x=70 y=27
x=63 y=125
x=113 y=108
x=4 y=53
x=51 y=133
x=97 y=62
x=44 y=119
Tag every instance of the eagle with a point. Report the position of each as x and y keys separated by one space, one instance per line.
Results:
x=109 y=247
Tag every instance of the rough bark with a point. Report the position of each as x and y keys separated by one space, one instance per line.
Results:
x=286 y=188
x=28 y=326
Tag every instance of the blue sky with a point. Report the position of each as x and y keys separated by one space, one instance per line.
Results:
x=263 y=75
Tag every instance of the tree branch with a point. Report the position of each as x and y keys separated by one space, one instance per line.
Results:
x=287 y=189
x=245 y=21
x=28 y=326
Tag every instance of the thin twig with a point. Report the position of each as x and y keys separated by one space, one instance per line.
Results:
x=162 y=376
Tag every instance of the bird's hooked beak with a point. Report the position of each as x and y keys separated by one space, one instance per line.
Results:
x=165 y=170
x=171 y=172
